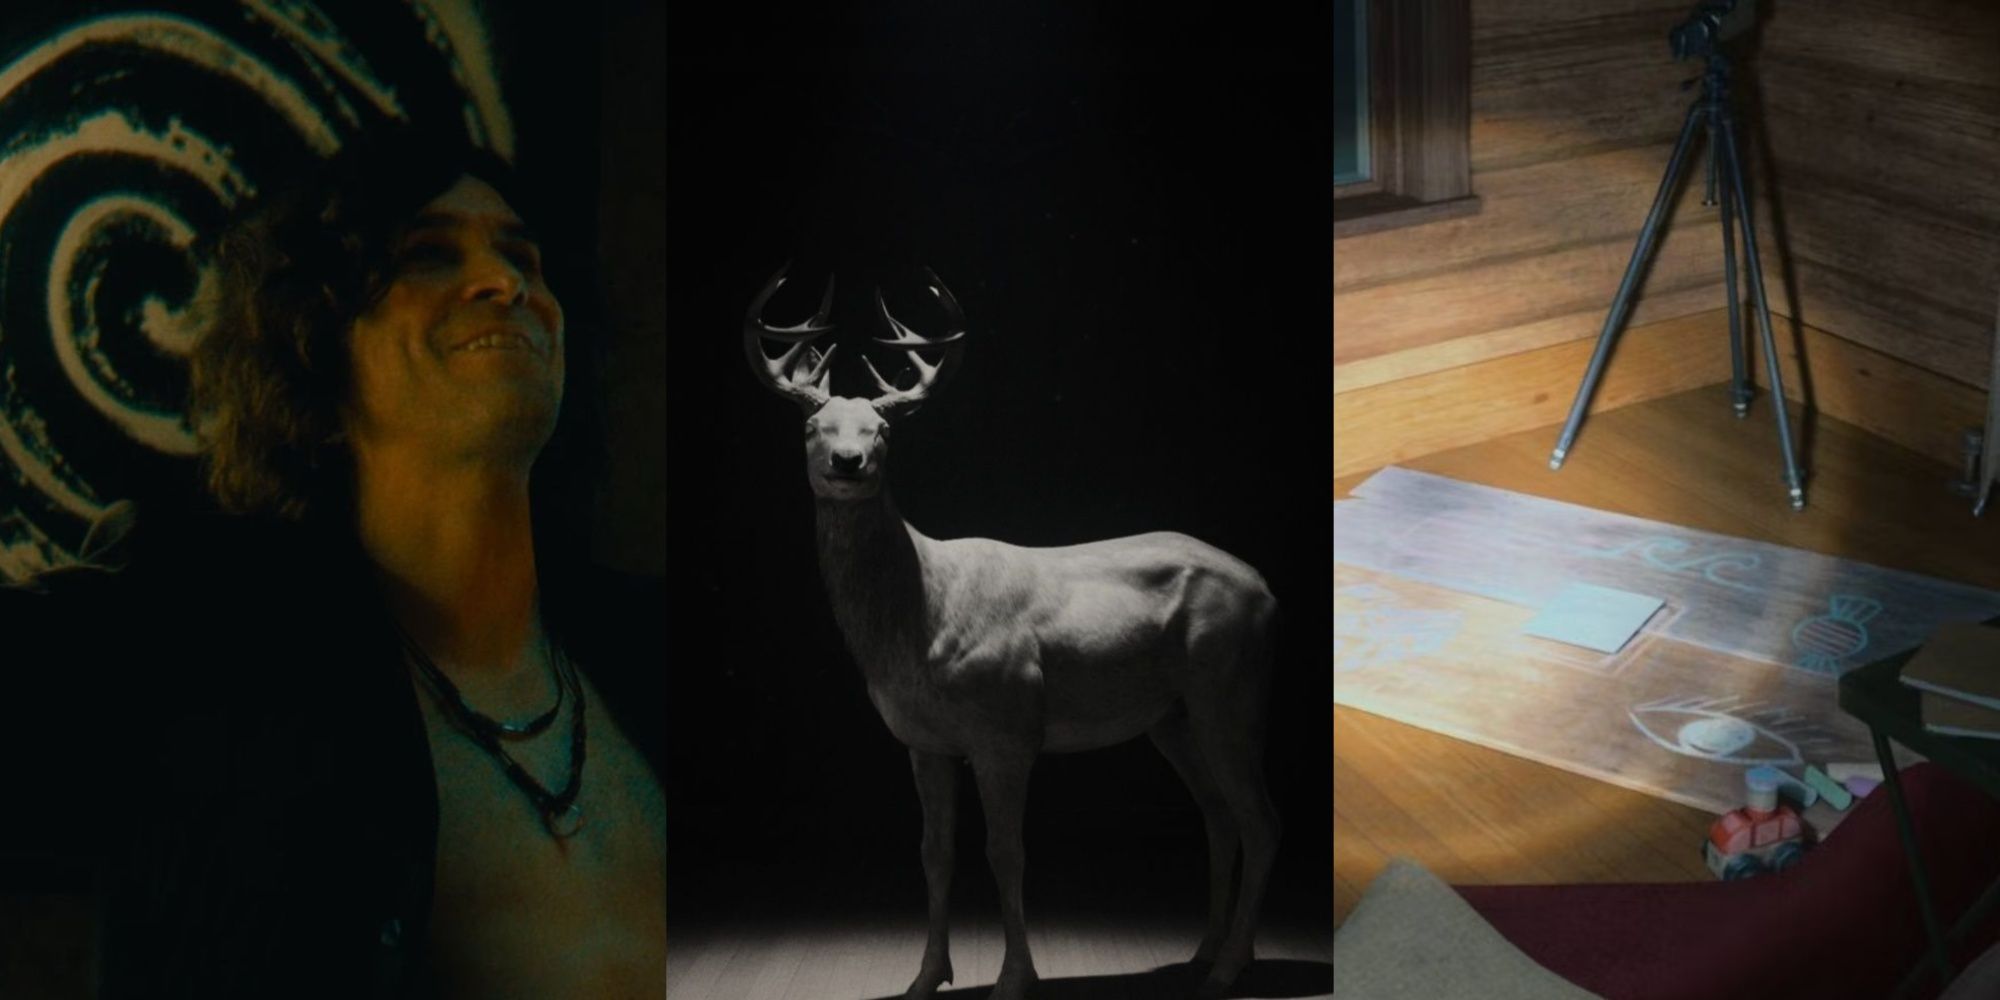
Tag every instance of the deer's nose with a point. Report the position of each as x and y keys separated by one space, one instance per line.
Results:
x=848 y=463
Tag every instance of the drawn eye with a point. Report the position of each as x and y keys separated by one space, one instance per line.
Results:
x=1730 y=731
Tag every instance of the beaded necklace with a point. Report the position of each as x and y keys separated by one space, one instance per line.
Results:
x=561 y=813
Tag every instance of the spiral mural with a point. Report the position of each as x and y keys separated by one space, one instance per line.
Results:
x=129 y=132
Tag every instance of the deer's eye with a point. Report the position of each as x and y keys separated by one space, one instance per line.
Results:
x=811 y=428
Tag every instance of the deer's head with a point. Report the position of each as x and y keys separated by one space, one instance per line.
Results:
x=847 y=438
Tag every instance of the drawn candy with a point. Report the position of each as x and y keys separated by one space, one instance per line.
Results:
x=1825 y=640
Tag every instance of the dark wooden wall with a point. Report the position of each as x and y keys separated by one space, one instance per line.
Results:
x=1575 y=106
x=1874 y=147
x=1883 y=124
x=1480 y=326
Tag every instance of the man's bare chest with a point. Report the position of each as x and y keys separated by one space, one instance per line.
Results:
x=518 y=911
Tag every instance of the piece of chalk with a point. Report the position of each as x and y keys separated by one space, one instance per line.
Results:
x=1861 y=786
x=1843 y=771
x=1835 y=796
x=1788 y=787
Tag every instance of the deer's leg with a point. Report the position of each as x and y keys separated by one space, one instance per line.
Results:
x=1228 y=723
x=1176 y=741
x=1003 y=795
x=937 y=790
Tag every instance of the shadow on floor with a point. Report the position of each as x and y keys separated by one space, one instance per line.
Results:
x=1263 y=978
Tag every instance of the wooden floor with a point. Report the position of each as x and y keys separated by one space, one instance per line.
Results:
x=1477 y=816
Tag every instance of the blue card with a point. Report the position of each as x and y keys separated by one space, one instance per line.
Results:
x=1600 y=618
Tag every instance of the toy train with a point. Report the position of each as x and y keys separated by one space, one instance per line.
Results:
x=1764 y=835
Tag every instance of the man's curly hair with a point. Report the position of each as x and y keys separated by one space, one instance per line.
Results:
x=270 y=375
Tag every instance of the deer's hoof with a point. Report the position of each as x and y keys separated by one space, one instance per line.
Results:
x=927 y=981
x=1013 y=983
x=1221 y=976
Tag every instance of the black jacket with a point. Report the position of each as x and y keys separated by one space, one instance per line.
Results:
x=225 y=733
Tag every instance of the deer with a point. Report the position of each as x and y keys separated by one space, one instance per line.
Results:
x=979 y=651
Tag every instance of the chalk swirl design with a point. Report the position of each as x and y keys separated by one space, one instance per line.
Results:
x=1826 y=639
x=126 y=136
x=1670 y=554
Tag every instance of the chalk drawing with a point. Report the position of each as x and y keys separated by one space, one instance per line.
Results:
x=1370 y=630
x=1726 y=731
x=1827 y=639
x=125 y=138
x=1665 y=553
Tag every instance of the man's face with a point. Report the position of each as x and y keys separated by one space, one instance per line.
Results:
x=463 y=355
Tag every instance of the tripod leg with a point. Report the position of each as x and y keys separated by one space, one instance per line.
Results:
x=1793 y=479
x=1621 y=304
x=1739 y=377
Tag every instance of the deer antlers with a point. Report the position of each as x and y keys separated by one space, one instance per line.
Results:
x=905 y=401
x=898 y=402
x=802 y=375
x=780 y=374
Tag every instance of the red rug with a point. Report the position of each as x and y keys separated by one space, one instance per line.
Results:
x=1842 y=923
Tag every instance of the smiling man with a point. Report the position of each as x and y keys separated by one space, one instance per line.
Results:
x=433 y=381
x=373 y=728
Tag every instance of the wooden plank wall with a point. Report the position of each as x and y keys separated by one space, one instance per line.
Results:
x=1882 y=125
x=1397 y=421
x=1575 y=106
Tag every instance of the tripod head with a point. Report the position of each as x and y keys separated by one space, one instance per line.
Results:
x=1713 y=22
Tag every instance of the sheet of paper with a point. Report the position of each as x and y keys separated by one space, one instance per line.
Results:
x=1732 y=595
x=1600 y=618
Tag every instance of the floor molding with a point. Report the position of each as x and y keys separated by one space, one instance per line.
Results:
x=1391 y=422
x=1396 y=421
x=1912 y=406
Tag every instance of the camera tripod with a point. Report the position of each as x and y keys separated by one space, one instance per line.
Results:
x=1711 y=108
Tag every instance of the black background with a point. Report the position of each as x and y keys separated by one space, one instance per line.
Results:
x=1133 y=212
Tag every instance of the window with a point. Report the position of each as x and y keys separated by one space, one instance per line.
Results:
x=1351 y=164
x=1402 y=113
